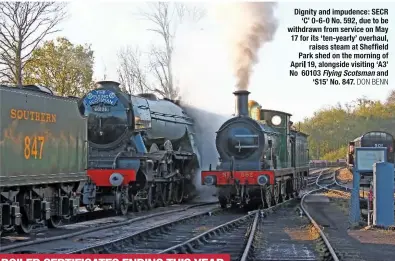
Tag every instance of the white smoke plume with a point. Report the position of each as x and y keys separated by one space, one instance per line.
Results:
x=205 y=74
x=206 y=91
x=247 y=26
x=206 y=125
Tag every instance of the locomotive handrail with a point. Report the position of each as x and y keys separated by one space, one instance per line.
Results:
x=179 y=122
x=171 y=115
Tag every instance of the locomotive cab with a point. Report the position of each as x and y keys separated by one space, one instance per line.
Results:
x=280 y=122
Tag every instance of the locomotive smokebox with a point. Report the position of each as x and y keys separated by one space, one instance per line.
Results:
x=241 y=103
x=108 y=85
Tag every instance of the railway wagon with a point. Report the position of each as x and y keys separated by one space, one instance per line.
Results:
x=142 y=151
x=43 y=156
x=263 y=158
x=371 y=139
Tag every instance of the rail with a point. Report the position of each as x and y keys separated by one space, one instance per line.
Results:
x=320 y=187
x=249 y=245
x=189 y=245
x=94 y=229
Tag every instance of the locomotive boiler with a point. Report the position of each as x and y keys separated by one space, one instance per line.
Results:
x=263 y=159
x=142 y=150
x=43 y=157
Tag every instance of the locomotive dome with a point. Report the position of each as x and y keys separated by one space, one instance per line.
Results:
x=109 y=114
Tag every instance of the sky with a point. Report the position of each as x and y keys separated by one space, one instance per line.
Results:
x=202 y=64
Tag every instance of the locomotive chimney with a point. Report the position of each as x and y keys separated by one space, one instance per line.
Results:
x=108 y=85
x=241 y=103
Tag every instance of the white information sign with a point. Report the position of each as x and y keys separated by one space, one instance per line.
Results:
x=366 y=158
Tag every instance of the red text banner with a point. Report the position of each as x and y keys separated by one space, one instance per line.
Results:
x=116 y=257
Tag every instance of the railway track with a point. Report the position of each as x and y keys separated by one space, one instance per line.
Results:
x=222 y=231
x=99 y=217
x=215 y=231
x=186 y=226
x=283 y=236
x=336 y=227
x=64 y=235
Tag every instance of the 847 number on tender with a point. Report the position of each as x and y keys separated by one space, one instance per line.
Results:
x=33 y=146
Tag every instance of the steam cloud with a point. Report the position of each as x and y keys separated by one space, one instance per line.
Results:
x=248 y=26
x=205 y=139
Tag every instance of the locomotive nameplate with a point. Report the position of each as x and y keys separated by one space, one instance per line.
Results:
x=101 y=96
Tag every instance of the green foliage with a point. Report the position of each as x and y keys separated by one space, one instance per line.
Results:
x=331 y=129
x=62 y=66
x=336 y=154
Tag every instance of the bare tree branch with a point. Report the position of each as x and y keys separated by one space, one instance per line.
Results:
x=23 y=26
x=165 y=18
x=131 y=71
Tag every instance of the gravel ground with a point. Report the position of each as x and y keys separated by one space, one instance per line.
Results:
x=344 y=175
x=284 y=235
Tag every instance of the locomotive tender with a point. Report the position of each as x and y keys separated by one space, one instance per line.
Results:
x=141 y=150
x=43 y=157
x=371 y=139
x=263 y=159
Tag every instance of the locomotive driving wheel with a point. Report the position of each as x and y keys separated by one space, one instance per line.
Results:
x=54 y=221
x=137 y=205
x=121 y=202
x=164 y=189
x=90 y=207
x=283 y=190
x=178 y=193
x=290 y=188
x=151 y=199
x=25 y=227
x=268 y=196
x=276 y=194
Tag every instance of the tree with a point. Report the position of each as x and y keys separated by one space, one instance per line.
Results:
x=331 y=129
x=164 y=18
x=62 y=66
x=132 y=73
x=23 y=26
x=391 y=98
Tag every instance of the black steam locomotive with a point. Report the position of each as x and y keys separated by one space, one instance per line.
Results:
x=263 y=159
x=141 y=150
